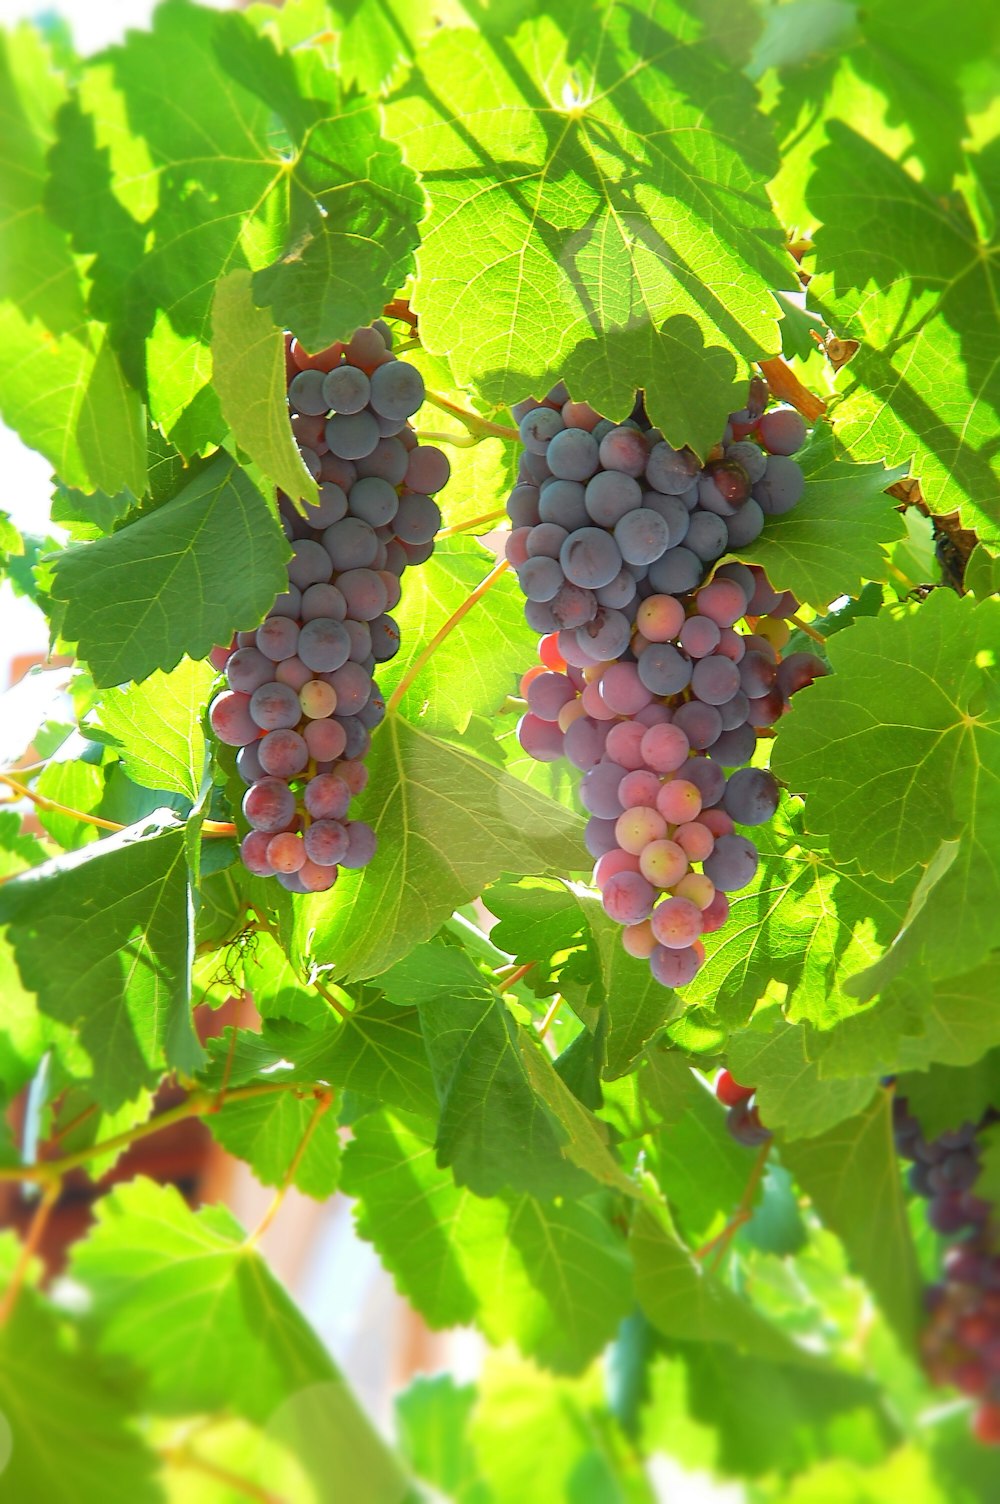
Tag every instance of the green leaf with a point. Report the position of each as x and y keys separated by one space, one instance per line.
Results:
x=103 y=937
x=286 y=1140
x=68 y=1433
x=924 y=381
x=433 y=1416
x=256 y=1356
x=554 y=1277
x=577 y=202
x=158 y=727
x=248 y=372
x=834 y=539
x=448 y=823
x=178 y=580
x=936 y=716
x=792 y=1096
x=78 y=785
x=851 y=1174
x=700 y=1169
x=946 y=1096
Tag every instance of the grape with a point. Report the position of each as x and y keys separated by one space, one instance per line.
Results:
x=351 y=544
x=361 y=843
x=366 y=347
x=732 y=645
x=346 y=390
x=663 y=669
x=660 y=617
x=373 y=500
x=310 y=564
x=563 y=503
x=545 y=540
x=599 y=836
x=305 y=394
x=757 y=673
x=671 y=470
x=353 y=685
x=709 y=778
x=623 y=690
x=277 y=638
x=733 y=748
x=516 y=546
x=539 y=617
x=729 y=1091
x=308 y=431
x=735 y=711
x=699 y=636
x=540 y=578
x=580 y=415
x=330 y=508
x=665 y=748
x=353 y=435
x=624 y=744
x=642 y=536
x=732 y=864
x=676 y=572
x=599 y=789
x=230 y=719
x=723 y=601
x=247 y=669
x=747 y=525
x=253 y=851
x=676 y=923
x=533 y=469
x=274 y=706
x=548 y=693
x=364 y=592
x=751 y=796
x=628 y=898
x=341 y=472
x=428 y=470
x=636 y=827
x=393 y=591
x=385 y=638
x=317 y=699
x=327 y=797
x=286 y=852
x=674 y=513
x=674 y=968
x=323 y=360
x=522 y=506
x=323 y=600
x=538 y=427
x=794 y=672
x=780 y=487
x=679 y=801
x=315 y=879
x=607 y=635
x=324 y=740
x=638 y=789
x=749 y=457
x=590 y=558
x=609 y=497
x=354 y=774
x=638 y=940
x=707 y=536
x=572 y=607
x=624 y=449
x=701 y=724
x=764 y=710
x=248 y=763
x=389 y=461
x=417 y=520
x=311 y=460
x=744 y=1125
x=782 y=430
x=360 y=637
x=326 y=842
x=269 y=804
x=593 y=703
x=284 y=753
x=573 y=455
x=663 y=863
x=696 y=841
x=324 y=644
x=715 y=679
x=540 y=738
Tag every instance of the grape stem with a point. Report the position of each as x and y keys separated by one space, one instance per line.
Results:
x=265 y=924
x=810 y=631
x=720 y=1243
x=482 y=427
x=324 y=1101
x=466 y=527
x=184 y=1457
x=209 y=827
x=443 y=632
x=784 y=383
x=28 y=1249
x=553 y=1009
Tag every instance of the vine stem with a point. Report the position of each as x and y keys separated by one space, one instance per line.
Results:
x=804 y=626
x=183 y=1456
x=553 y=1009
x=465 y=527
x=742 y=1214
x=324 y=1101
x=445 y=631
x=457 y=440
x=28 y=1249
x=784 y=383
x=482 y=427
x=515 y=975
x=209 y=827
x=50 y=1172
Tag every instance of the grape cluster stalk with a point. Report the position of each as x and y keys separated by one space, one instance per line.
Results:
x=961 y=1342
x=655 y=681
x=302 y=700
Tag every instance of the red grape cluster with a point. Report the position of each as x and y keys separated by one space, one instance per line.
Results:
x=742 y=1114
x=659 y=698
x=961 y=1343
x=301 y=701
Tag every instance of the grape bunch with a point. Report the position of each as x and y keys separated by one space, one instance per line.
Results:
x=961 y=1343
x=302 y=701
x=645 y=683
x=742 y=1114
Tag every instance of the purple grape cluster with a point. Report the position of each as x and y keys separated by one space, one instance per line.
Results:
x=647 y=684
x=302 y=701
x=961 y=1343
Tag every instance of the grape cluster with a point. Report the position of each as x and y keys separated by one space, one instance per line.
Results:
x=961 y=1343
x=742 y=1114
x=645 y=684
x=301 y=701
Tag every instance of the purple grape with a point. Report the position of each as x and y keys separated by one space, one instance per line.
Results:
x=330 y=508
x=573 y=455
x=599 y=789
x=352 y=436
x=417 y=520
x=751 y=796
x=676 y=572
x=269 y=804
x=247 y=669
x=310 y=564
x=361 y=843
x=326 y=842
x=351 y=544
x=305 y=394
x=609 y=497
x=277 y=638
x=364 y=592
x=345 y=390
x=540 y=578
x=664 y=670
x=732 y=864
x=671 y=471
x=701 y=723
x=397 y=390
x=538 y=427
x=563 y=503
x=323 y=600
x=373 y=500
x=642 y=535
x=781 y=486
x=284 y=753
x=715 y=679
x=324 y=644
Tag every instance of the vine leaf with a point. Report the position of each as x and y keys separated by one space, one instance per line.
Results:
x=269 y=1133
x=793 y=1097
x=178 y=580
x=102 y=936
x=158 y=727
x=577 y=203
